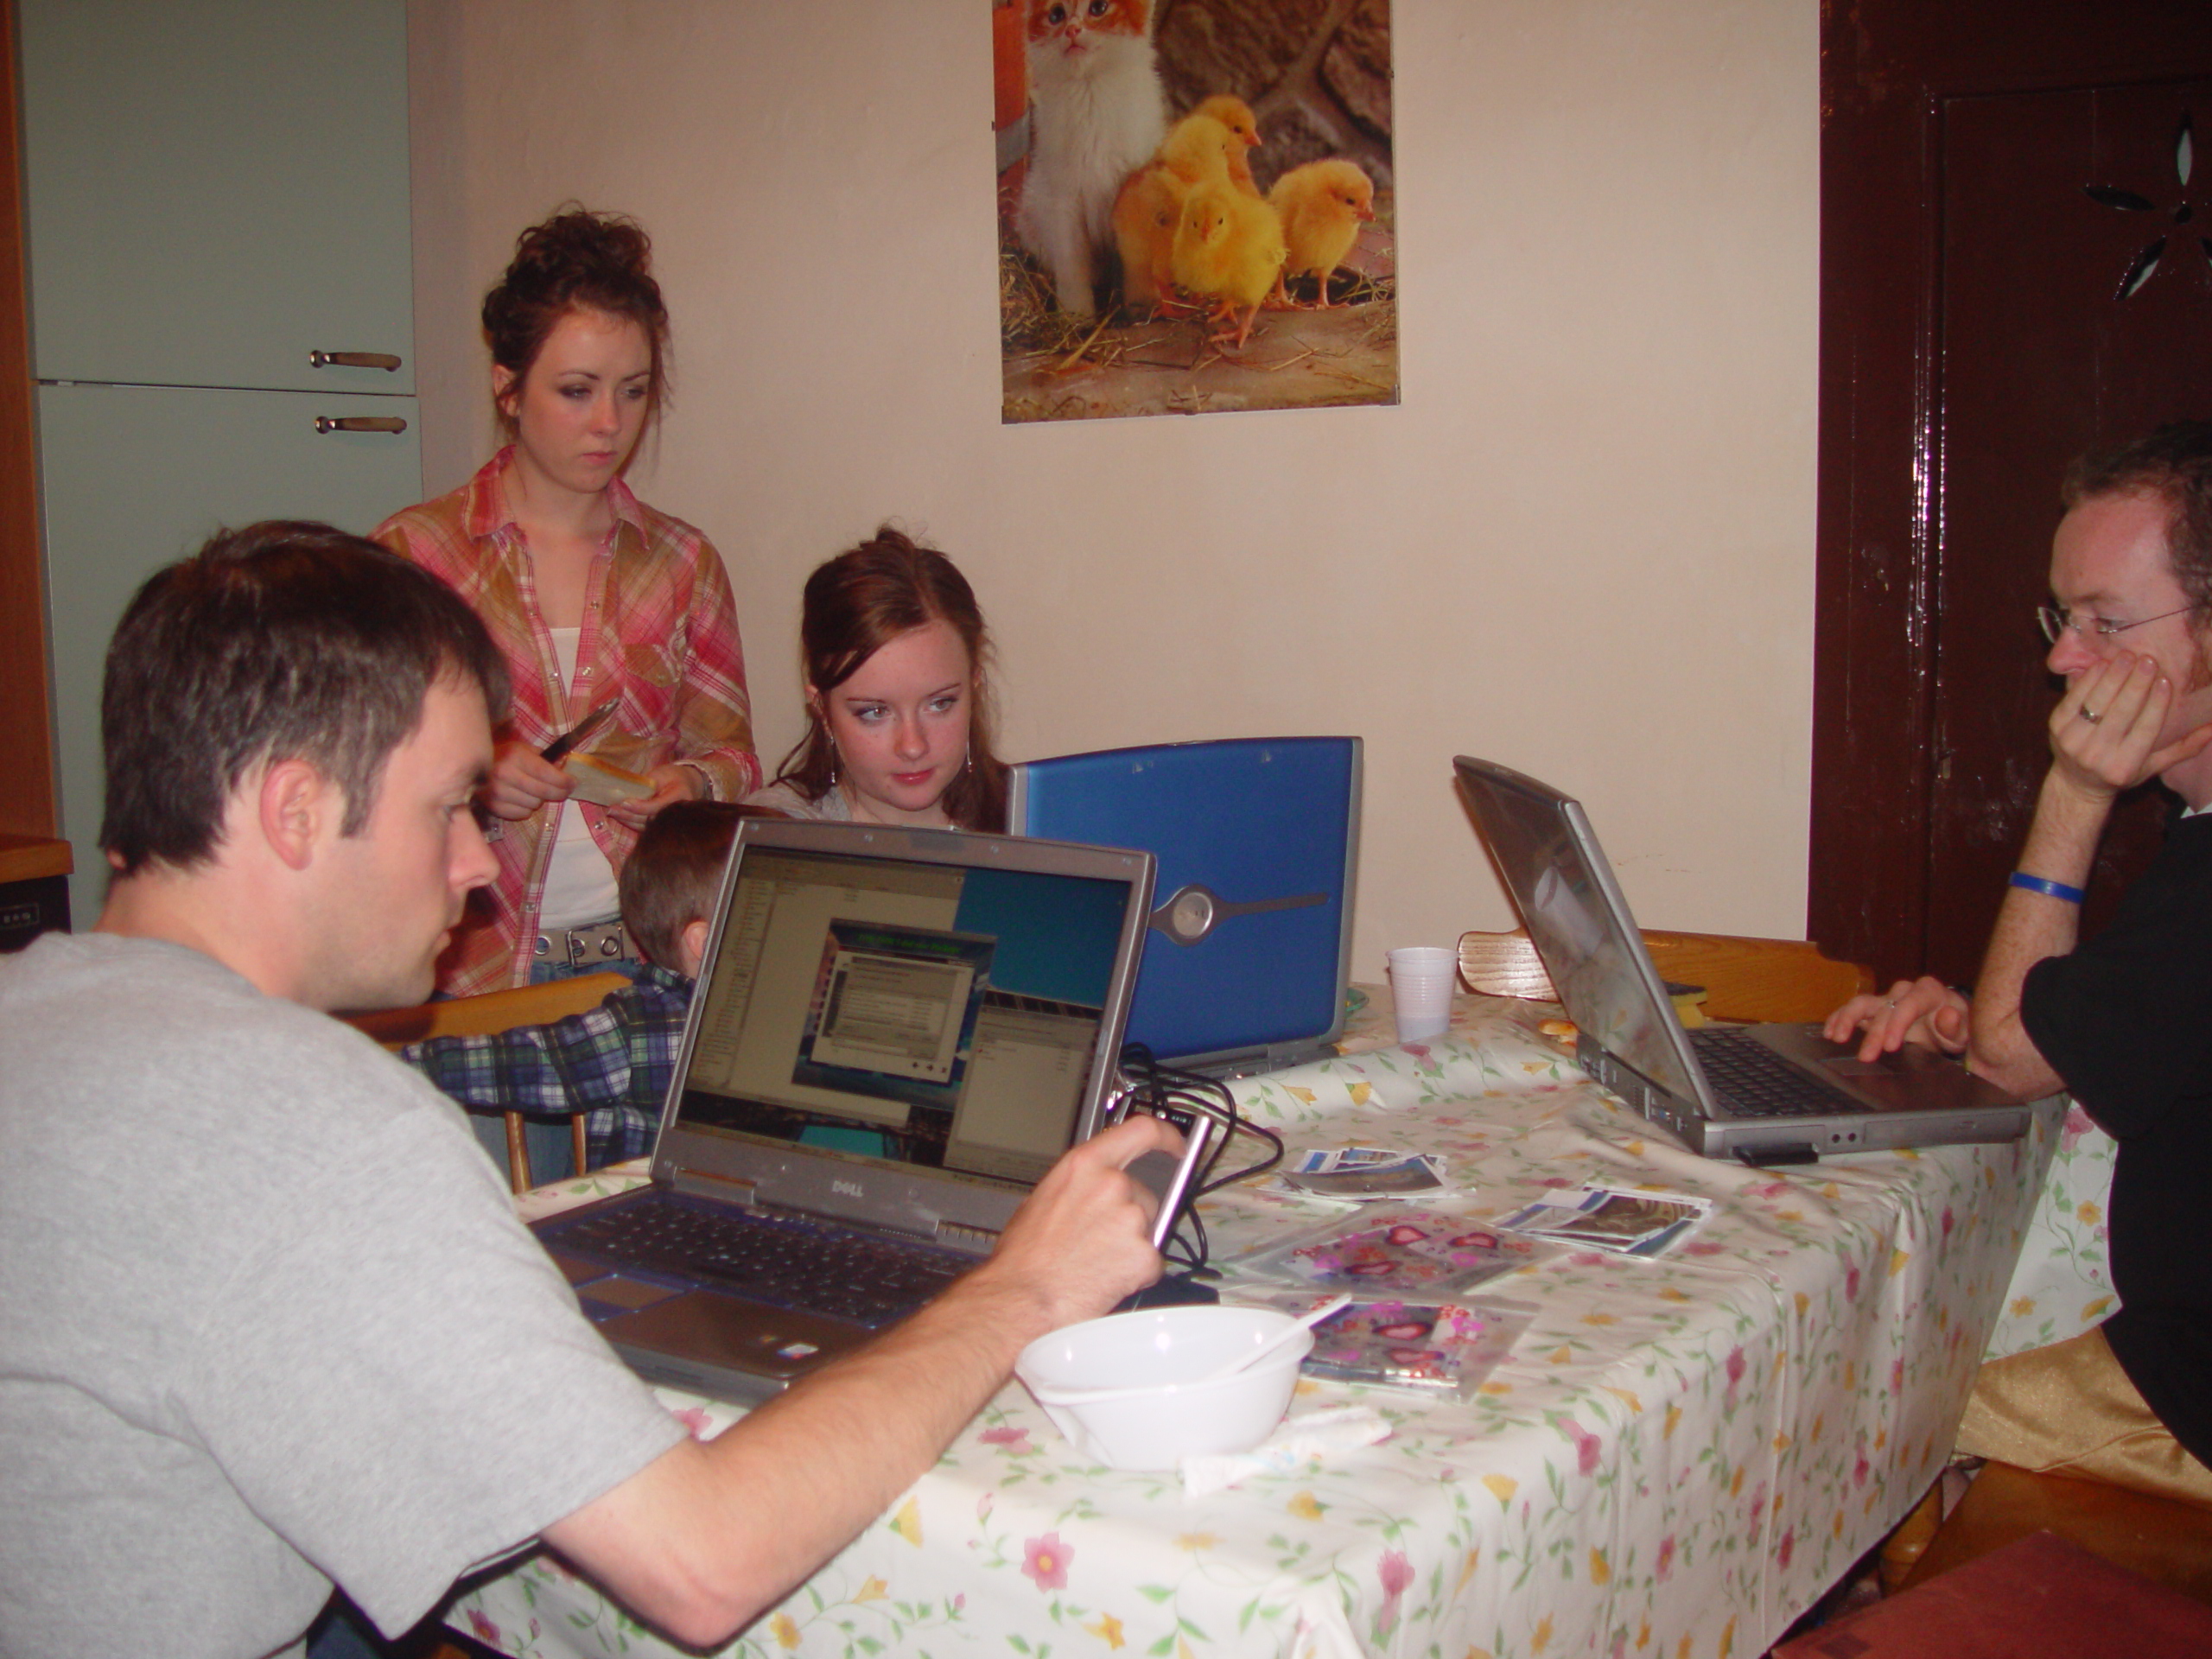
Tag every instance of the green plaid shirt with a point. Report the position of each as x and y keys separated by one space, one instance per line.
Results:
x=612 y=1062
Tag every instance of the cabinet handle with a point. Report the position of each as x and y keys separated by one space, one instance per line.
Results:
x=359 y=423
x=383 y=360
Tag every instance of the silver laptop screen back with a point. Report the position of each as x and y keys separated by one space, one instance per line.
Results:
x=1550 y=862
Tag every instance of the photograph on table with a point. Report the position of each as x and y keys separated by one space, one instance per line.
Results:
x=1362 y=1175
x=1197 y=205
x=1644 y=1223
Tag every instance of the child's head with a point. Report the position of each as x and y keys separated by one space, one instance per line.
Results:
x=668 y=887
x=891 y=599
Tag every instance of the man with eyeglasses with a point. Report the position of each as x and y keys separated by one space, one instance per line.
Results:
x=2123 y=1021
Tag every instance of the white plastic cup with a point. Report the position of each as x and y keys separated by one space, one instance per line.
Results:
x=1421 y=980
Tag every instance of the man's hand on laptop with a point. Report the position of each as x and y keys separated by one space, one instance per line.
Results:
x=1923 y=1011
x=1082 y=1241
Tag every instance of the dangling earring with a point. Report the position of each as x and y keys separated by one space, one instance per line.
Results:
x=968 y=766
x=829 y=741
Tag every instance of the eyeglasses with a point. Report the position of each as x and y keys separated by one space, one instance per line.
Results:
x=2057 y=619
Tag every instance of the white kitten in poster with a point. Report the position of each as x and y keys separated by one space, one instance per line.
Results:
x=1099 y=114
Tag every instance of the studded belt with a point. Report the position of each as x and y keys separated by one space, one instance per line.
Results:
x=585 y=947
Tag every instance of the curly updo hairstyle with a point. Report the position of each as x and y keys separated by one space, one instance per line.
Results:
x=577 y=260
x=857 y=603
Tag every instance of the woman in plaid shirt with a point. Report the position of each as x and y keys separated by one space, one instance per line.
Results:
x=594 y=597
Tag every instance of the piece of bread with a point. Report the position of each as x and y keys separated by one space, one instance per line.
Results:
x=604 y=785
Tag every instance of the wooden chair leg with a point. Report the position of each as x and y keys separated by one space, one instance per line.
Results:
x=580 y=1141
x=1903 y=1548
x=518 y=1154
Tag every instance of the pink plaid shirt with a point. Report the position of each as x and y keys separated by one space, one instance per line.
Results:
x=659 y=630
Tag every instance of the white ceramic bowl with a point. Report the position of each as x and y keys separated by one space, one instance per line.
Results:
x=1121 y=1387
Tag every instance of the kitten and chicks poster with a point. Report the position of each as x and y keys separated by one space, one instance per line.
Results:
x=1197 y=208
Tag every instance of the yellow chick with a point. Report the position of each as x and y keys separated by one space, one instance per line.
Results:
x=1199 y=149
x=1146 y=213
x=1229 y=249
x=1237 y=115
x=1322 y=205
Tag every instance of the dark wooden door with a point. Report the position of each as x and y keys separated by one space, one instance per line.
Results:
x=2060 y=329
x=1973 y=340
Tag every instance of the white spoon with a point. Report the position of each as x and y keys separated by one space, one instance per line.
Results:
x=1244 y=1361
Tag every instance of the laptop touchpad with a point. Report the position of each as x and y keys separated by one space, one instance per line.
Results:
x=1940 y=1085
x=707 y=1328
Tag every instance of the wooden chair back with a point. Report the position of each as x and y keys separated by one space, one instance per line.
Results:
x=496 y=1010
x=1745 y=978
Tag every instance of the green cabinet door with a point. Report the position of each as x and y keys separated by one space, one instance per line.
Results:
x=216 y=190
x=134 y=477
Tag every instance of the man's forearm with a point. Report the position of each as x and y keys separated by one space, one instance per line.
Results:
x=2061 y=847
x=706 y=1537
x=774 y=1497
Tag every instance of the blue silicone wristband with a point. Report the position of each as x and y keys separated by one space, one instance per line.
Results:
x=2049 y=889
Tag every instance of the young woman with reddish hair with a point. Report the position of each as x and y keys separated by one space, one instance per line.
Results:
x=899 y=708
x=593 y=596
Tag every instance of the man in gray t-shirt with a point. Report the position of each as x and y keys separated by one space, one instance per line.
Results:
x=266 y=1318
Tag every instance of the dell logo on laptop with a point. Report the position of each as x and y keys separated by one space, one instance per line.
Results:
x=851 y=1189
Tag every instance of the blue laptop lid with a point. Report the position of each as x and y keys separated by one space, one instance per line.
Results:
x=1256 y=840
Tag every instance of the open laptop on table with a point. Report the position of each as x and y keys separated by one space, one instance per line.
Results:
x=896 y=1033
x=1766 y=1093
x=1257 y=840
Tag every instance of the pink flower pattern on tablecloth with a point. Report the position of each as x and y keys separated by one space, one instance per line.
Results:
x=1395 y=1575
x=1587 y=1446
x=1044 y=1560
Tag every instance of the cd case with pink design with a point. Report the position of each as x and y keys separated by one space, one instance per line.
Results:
x=1413 y=1254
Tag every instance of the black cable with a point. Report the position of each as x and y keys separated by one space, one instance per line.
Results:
x=1181 y=1097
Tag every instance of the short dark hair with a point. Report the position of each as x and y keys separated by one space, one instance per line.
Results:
x=859 y=602
x=577 y=260
x=673 y=874
x=281 y=641
x=2175 y=463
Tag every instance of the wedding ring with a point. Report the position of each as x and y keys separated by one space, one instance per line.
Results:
x=2090 y=714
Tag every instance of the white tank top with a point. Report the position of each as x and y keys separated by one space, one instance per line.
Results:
x=579 y=885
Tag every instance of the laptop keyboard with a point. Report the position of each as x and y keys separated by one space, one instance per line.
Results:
x=812 y=1267
x=1753 y=1081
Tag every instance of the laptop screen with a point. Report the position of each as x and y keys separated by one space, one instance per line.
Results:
x=1550 y=862
x=898 y=1011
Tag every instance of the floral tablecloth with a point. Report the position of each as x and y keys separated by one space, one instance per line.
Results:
x=1678 y=1457
x=2063 y=1284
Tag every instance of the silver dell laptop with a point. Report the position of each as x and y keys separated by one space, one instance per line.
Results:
x=896 y=1032
x=1765 y=1094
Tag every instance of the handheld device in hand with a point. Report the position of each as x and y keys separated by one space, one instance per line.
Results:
x=1172 y=1180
